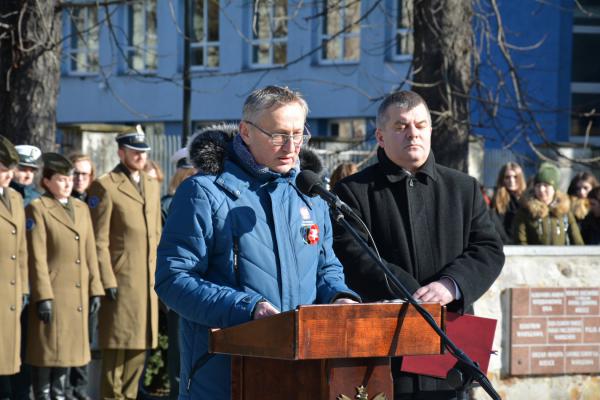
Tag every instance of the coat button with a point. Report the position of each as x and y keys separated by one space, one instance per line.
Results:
x=12 y=282
x=78 y=261
x=13 y=308
x=76 y=237
x=13 y=257
x=14 y=232
x=78 y=285
x=79 y=308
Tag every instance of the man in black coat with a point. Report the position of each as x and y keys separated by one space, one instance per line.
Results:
x=429 y=223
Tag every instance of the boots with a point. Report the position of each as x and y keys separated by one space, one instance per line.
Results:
x=49 y=383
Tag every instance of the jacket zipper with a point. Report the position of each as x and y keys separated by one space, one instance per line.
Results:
x=236 y=266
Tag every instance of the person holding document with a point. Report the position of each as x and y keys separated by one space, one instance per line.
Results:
x=429 y=223
x=241 y=242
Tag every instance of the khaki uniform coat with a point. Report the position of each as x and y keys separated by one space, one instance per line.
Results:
x=13 y=281
x=63 y=267
x=127 y=227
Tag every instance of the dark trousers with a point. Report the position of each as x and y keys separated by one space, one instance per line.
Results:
x=18 y=386
x=77 y=382
x=49 y=383
x=173 y=353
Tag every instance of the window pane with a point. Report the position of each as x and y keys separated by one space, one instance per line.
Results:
x=261 y=28
x=586 y=63
x=280 y=53
x=351 y=48
x=260 y=54
x=280 y=19
x=136 y=61
x=352 y=14
x=137 y=27
x=333 y=49
x=213 y=57
x=333 y=23
x=151 y=21
x=213 y=20
x=198 y=21
x=93 y=35
x=197 y=56
x=77 y=26
x=588 y=14
x=585 y=103
x=404 y=43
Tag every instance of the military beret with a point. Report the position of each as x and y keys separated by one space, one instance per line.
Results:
x=548 y=174
x=57 y=163
x=8 y=154
x=28 y=155
x=133 y=140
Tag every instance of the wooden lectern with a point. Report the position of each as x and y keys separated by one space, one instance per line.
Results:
x=325 y=351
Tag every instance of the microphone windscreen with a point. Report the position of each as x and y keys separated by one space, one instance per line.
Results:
x=306 y=181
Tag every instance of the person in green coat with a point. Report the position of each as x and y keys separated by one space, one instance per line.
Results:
x=545 y=217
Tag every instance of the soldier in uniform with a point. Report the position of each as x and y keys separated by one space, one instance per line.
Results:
x=14 y=287
x=24 y=177
x=125 y=207
x=64 y=278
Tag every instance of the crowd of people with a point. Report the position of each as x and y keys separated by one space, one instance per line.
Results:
x=539 y=213
x=235 y=240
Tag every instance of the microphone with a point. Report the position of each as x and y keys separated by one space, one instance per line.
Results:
x=311 y=185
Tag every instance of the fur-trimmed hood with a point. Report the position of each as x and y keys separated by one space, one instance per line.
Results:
x=208 y=150
x=559 y=207
x=580 y=207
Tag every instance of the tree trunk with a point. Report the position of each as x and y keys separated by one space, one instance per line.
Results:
x=443 y=37
x=30 y=46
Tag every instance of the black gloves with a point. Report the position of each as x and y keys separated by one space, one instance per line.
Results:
x=94 y=304
x=44 y=310
x=111 y=293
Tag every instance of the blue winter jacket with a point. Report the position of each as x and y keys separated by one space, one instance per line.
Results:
x=231 y=239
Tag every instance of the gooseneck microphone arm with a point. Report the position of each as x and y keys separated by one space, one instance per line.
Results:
x=306 y=182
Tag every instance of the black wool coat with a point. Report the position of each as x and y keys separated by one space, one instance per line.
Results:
x=426 y=226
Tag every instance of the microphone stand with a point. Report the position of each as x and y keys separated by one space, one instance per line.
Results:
x=465 y=370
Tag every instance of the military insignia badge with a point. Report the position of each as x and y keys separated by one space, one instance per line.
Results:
x=310 y=234
x=29 y=224
x=93 y=201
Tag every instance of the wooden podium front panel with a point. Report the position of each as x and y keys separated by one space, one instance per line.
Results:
x=269 y=379
x=366 y=330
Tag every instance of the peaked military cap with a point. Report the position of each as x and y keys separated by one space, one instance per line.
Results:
x=8 y=154
x=28 y=155
x=134 y=140
x=57 y=163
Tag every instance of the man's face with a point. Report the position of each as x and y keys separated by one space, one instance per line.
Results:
x=134 y=160
x=59 y=185
x=25 y=175
x=6 y=175
x=82 y=175
x=406 y=136
x=288 y=119
x=595 y=208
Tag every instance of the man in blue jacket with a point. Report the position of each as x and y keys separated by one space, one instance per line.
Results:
x=241 y=242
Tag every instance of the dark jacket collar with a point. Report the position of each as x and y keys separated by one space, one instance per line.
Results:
x=395 y=173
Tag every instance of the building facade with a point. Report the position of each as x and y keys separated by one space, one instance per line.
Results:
x=123 y=63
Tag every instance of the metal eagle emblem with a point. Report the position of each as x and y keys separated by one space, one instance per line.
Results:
x=361 y=394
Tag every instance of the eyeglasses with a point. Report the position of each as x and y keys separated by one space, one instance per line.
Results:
x=280 y=139
x=79 y=173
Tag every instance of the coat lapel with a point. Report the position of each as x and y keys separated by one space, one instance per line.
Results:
x=4 y=212
x=58 y=212
x=126 y=186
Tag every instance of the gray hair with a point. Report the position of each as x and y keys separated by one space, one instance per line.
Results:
x=267 y=97
x=405 y=100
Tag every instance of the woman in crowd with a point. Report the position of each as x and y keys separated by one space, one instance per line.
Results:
x=65 y=282
x=341 y=171
x=590 y=226
x=580 y=186
x=510 y=185
x=545 y=216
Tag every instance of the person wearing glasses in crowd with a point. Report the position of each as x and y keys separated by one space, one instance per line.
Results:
x=84 y=172
x=241 y=242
